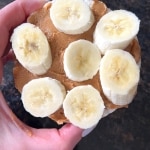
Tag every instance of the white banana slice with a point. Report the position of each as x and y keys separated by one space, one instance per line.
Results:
x=119 y=76
x=31 y=48
x=71 y=16
x=43 y=96
x=115 y=30
x=81 y=60
x=83 y=106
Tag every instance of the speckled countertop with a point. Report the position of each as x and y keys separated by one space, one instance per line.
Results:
x=125 y=129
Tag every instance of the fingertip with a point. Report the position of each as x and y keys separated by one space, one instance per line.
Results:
x=31 y=5
x=72 y=127
x=71 y=131
x=71 y=135
x=24 y=7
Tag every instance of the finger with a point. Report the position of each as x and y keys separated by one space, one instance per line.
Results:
x=14 y=14
x=65 y=138
x=71 y=135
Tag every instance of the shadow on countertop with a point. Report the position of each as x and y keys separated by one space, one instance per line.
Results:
x=125 y=129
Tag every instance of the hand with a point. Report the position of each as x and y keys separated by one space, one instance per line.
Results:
x=13 y=133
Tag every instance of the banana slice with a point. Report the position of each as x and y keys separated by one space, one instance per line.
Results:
x=43 y=96
x=68 y=16
x=81 y=60
x=119 y=76
x=83 y=106
x=115 y=30
x=31 y=48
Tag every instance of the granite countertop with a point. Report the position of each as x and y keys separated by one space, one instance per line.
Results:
x=125 y=129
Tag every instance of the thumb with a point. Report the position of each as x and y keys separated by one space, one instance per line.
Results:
x=71 y=134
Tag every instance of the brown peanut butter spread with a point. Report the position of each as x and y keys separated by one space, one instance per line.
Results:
x=58 y=42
